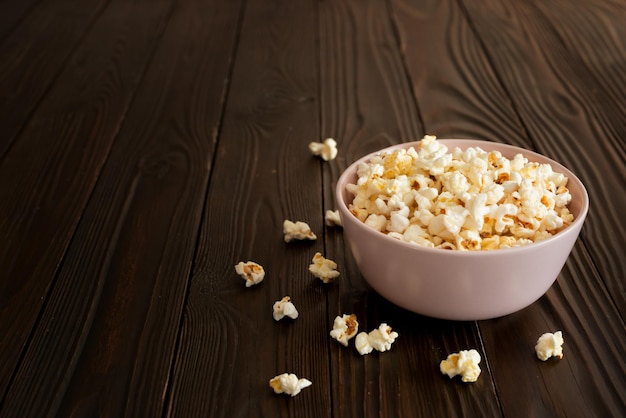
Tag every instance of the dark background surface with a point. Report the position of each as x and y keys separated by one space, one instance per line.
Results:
x=146 y=147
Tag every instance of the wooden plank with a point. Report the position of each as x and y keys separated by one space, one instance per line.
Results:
x=106 y=339
x=12 y=13
x=230 y=345
x=72 y=131
x=589 y=380
x=527 y=387
x=561 y=119
x=367 y=103
x=33 y=55
x=569 y=97
x=459 y=93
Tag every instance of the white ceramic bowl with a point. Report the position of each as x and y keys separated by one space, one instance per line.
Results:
x=460 y=285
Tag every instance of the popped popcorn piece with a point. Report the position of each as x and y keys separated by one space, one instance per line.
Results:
x=332 y=218
x=362 y=343
x=297 y=230
x=283 y=308
x=460 y=199
x=327 y=150
x=323 y=268
x=382 y=337
x=377 y=222
x=289 y=384
x=549 y=345
x=379 y=339
x=344 y=328
x=464 y=363
x=252 y=272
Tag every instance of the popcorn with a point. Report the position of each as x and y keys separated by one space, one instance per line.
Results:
x=379 y=339
x=289 y=384
x=344 y=328
x=464 y=363
x=327 y=150
x=252 y=272
x=461 y=199
x=332 y=218
x=362 y=344
x=377 y=222
x=283 y=308
x=297 y=230
x=399 y=220
x=549 y=345
x=382 y=337
x=323 y=268
x=505 y=216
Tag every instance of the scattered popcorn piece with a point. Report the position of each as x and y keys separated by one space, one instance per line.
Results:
x=327 y=150
x=297 y=230
x=332 y=218
x=283 y=308
x=464 y=363
x=549 y=345
x=289 y=384
x=323 y=268
x=252 y=272
x=460 y=199
x=362 y=343
x=344 y=328
x=380 y=339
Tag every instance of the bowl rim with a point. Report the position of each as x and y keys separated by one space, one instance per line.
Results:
x=574 y=227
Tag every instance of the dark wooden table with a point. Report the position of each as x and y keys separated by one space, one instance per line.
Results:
x=148 y=146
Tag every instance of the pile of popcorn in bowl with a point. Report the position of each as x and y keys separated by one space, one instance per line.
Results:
x=467 y=199
x=460 y=229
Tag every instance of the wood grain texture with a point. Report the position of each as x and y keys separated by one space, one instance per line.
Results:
x=367 y=104
x=51 y=187
x=565 y=105
x=34 y=54
x=149 y=146
x=126 y=272
x=13 y=12
x=230 y=345
x=530 y=101
x=560 y=128
x=590 y=379
x=458 y=92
